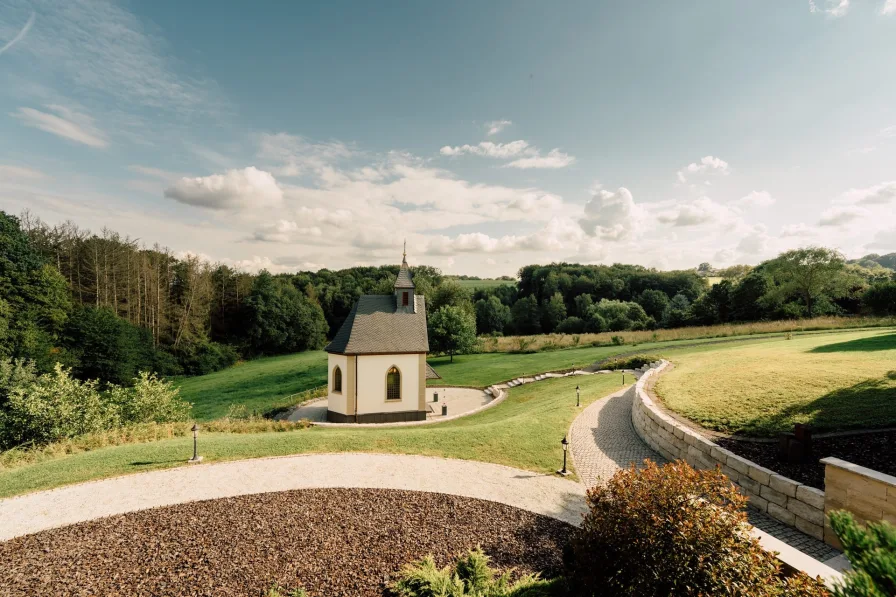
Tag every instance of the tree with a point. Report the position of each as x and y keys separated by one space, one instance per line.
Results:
x=807 y=272
x=452 y=330
x=583 y=303
x=450 y=293
x=704 y=268
x=280 y=319
x=678 y=312
x=880 y=299
x=654 y=302
x=571 y=325
x=526 y=316
x=553 y=312
x=491 y=315
x=106 y=347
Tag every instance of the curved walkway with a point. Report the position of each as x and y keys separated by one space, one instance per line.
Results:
x=542 y=494
x=603 y=440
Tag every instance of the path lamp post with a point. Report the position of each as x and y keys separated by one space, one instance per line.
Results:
x=578 y=401
x=565 y=443
x=196 y=457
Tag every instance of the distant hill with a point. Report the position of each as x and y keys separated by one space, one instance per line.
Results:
x=888 y=261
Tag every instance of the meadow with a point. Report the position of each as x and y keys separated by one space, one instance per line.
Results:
x=832 y=382
x=524 y=431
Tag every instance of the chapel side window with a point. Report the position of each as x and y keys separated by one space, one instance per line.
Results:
x=393 y=384
x=337 y=379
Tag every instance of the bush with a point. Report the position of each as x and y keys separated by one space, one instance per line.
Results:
x=631 y=362
x=872 y=553
x=150 y=400
x=673 y=531
x=470 y=576
x=571 y=325
x=206 y=357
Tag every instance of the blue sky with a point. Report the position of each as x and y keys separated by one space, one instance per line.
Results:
x=490 y=135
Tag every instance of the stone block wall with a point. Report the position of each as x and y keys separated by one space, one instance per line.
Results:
x=784 y=499
x=869 y=495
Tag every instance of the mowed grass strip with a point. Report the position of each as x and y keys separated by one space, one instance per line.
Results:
x=832 y=382
x=260 y=384
x=524 y=432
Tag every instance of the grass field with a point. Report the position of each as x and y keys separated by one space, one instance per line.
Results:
x=260 y=385
x=524 y=431
x=474 y=284
x=831 y=381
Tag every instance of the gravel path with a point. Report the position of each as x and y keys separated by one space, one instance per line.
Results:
x=542 y=494
x=602 y=441
x=334 y=542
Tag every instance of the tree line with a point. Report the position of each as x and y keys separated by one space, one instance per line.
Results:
x=108 y=306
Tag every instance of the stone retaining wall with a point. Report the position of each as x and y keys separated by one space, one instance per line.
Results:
x=869 y=495
x=784 y=499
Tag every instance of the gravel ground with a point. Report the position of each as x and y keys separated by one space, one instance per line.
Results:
x=876 y=451
x=334 y=542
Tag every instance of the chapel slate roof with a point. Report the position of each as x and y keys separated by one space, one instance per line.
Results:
x=374 y=327
x=431 y=373
x=404 y=277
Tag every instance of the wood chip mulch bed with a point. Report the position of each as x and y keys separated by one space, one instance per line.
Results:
x=333 y=542
x=876 y=451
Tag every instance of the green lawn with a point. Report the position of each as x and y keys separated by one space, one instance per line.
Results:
x=260 y=385
x=831 y=381
x=524 y=431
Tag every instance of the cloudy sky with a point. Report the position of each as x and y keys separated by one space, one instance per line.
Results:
x=488 y=134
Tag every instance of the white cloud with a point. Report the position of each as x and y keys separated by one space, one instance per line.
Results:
x=813 y=8
x=757 y=199
x=839 y=216
x=19 y=173
x=612 y=216
x=527 y=155
x=889 y=131
x=235 y=189
x=800 y=230
x=554 y=159
x=294 y=155
x=64 y=123
x=558 y=234
x=888 y=8
x=496 y=126
x=873 y=195
x=694 y=213
x=491 y=150
x=20 y=35
x=705 y=165
x=837 y=8
x=284 y=231
x=755 y=242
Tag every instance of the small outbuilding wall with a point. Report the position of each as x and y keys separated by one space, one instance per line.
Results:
x=869 y=495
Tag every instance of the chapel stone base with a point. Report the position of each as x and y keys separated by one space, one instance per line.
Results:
x=399 y=417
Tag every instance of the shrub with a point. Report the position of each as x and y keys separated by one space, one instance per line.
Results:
x=571 y=325
x=631 y=362
x=617 y=340
x=872 y=553
x=150 y=400
x=471 y=576
x=673 y=531
x=206 y=357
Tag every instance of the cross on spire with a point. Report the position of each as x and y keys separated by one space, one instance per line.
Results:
x=404 y=252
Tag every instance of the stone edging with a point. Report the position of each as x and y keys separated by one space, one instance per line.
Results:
x=784 y=499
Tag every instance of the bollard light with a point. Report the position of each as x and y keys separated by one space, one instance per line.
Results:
x=196 y=457
x=565 y=443
x=578 y=396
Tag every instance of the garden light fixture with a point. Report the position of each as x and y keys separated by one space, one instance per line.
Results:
x=196 y=457
x=578 y=401
x=565 y=443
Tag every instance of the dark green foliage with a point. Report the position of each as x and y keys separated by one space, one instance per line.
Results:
x=526 y=316
x=880 y=298
x=807 y=273
x=630 y=362
x=106 y=347
x=887 y=261
x=452 y=330
x=571 y=325
x=491 y=315
x=678 y=312
x=279 y=319
x=200 y=358
x=673 y=531
x=654 y=302
x=872 y=553
x=553 y=312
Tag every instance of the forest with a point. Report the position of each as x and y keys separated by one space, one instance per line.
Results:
x=108 y=307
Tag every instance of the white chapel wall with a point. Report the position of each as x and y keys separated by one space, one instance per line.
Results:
x=372 y=383
x=337 y=402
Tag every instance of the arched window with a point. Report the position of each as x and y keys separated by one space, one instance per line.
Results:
x=393 y=384
x=337 y=379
